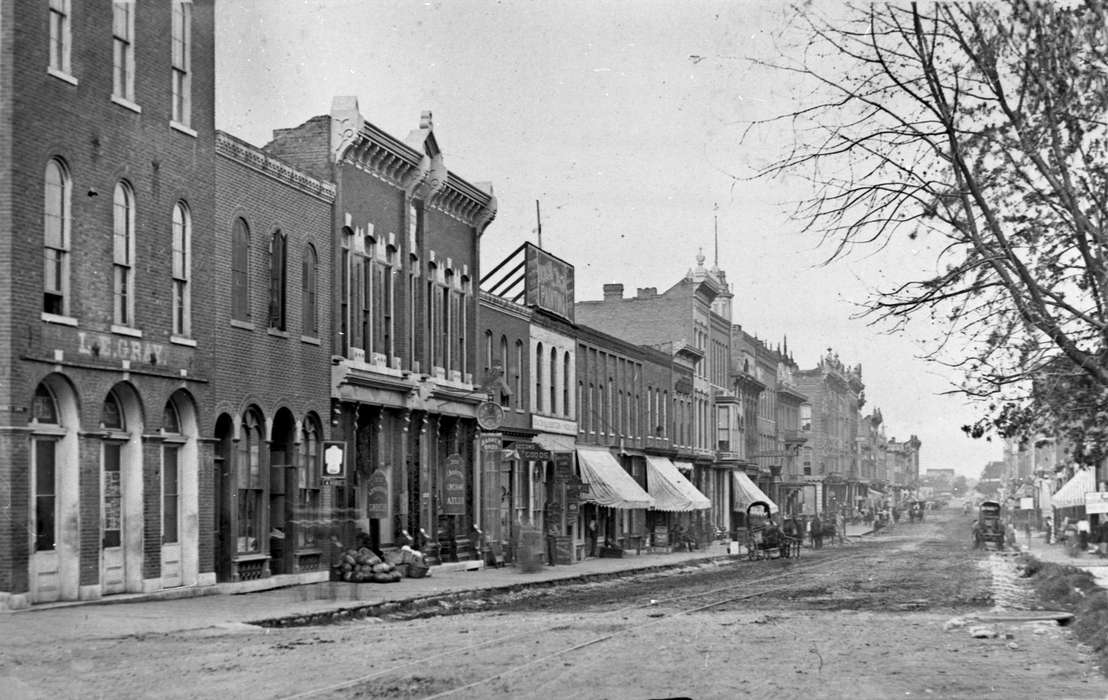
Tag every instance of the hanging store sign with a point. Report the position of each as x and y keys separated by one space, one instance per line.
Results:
x=454 y=486
x=531 y=452
x=548 y=282
x=563 y=466
x=334 y=460
x=377 y=495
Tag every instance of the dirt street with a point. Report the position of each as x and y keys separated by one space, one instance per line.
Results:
x=887 y=616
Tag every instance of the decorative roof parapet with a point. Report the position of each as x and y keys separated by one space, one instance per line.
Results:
x=255 y=158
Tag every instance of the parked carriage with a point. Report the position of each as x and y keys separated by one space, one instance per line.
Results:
x=915 y=511
x=765 y=539
x=988 y=529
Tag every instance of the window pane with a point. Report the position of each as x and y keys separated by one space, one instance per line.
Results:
x=113 y=496
x=45 y=532
x=240 y=256
x=169 y=494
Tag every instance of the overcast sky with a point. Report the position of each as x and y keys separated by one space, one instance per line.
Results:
x=625 y=120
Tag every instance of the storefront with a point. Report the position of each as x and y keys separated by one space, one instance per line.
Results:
x=614 y=505
x=676 y=500
x=744 y=492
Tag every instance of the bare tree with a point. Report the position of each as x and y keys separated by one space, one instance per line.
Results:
x=982 y=127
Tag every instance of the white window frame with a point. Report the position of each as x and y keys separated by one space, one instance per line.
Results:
x=61 y=40
x=181 y=70
x=123 y=255
x=123 y=50
x=182 y=270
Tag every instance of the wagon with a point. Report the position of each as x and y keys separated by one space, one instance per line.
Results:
x=764 y=538
x=988 y=529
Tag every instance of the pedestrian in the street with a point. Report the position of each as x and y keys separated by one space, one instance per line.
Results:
x=817 y=532
x=840 y=527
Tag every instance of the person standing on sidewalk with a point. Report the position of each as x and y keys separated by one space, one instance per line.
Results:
x=817 y=532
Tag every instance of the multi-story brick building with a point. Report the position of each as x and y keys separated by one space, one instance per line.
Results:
x=406 y=235
x=693 y=315
x=107 y=136
x=830 y=457
x=273 y=369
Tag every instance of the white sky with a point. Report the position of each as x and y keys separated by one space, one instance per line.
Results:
x=624 y=119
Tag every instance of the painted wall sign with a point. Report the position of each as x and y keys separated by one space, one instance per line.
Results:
x=377 y=495
x=93 y=346
x=549 y=282
x=454 y=486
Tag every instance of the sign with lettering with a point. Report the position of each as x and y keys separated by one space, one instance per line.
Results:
x=563 y=466
x=334 y=460
x=377 y=495
x=454 y=486
x=529 y=451
x=1096 y=502
x=548 y=282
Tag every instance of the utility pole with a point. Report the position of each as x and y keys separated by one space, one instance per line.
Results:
x=538 y=221
x=715 y=225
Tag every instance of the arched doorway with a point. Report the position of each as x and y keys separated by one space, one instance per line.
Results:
x=283 y=490
x=179 y=492
x=54 y=511
x=121 y=491
x=224 y=534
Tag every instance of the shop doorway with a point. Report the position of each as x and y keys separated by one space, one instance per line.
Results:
x=223 y=535
x=282 y=491
x=121 y=492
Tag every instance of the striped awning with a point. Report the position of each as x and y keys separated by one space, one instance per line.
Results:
x=746 y=492
x=670 y=490
x=609 y=484
x=1072 y=494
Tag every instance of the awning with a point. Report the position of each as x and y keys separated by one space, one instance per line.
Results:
x=609 y=484
x=683 y=466
x=1072 y=494
x=670 y=490
x=746 y=492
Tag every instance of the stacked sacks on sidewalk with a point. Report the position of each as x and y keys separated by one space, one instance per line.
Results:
x=363 y=566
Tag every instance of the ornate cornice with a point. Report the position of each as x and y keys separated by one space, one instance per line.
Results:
x=256 y=159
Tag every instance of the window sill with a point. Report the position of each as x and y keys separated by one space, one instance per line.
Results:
x=277 y=333
x=310 y=340
x=62 y=76
x=60 y=320
x=178 y=126
x=126 y=104
x=245 y=325
x=181 y=340
x=126 y=330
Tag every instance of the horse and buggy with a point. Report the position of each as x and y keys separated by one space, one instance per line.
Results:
x=765 y=539
x=988 y=529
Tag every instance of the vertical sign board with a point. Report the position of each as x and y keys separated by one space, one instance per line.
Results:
x=454 y=486
x=548 y=282
x=563 y=466
x=334 y=461
x=377 y=495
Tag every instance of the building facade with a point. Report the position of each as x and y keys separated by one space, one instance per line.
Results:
x=406 y=239
x=106 y=335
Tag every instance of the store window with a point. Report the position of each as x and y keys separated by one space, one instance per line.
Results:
x=251 y=485
x=308 y=479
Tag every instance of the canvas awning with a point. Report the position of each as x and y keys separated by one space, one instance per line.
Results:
x=609 y=484
x=746 y=492
x=670 y=490
x=1072 y=493
x=683 y=466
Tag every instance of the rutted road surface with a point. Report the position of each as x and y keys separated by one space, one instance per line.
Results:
x=864 y=620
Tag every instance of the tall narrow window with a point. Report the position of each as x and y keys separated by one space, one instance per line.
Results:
x=171 y=477
x=59 y=35
x=346 y=262
x=566 y=379
x=182 y=56
x=538 y=378
x=309 y=284
x=277 y=286
x=250 y=480
x=123 y=49
x=308 y=477
x=123 y=221
x=517 y=376
x=55 y=297
x=488 y=352
x=182 y=263
x=553 y=407
x=388 y=304
x=449 y=316
x=240 y=271
x=44 y=491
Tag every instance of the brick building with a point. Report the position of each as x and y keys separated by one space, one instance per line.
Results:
x=830 y=457
x=406 y=235
x=107 y=135
x=273 y=370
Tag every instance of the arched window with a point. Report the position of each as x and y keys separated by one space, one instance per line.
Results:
x=44 y=474
x=240 y=271
x=309 y=289
x=566 y=380
x=171 y=474
x=56 y=222
x=278 y=258
x=111 y=413
x=517 y=376
x=553 y=407
x=182 y=262
x=249 y=478
x=123 y=227
x=538 y=378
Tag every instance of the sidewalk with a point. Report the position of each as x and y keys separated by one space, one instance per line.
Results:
x=1056 y=554
x=124 y=616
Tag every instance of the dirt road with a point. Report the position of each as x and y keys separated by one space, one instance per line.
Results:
x=876 y=619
